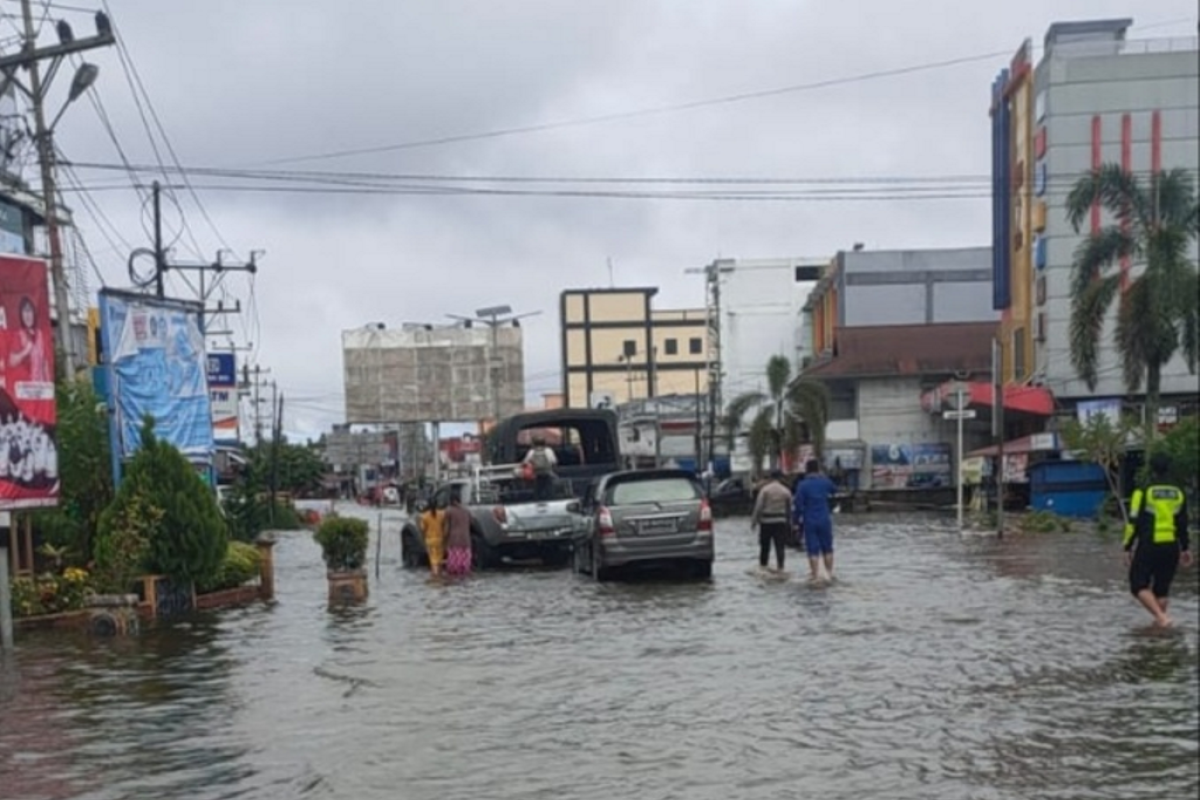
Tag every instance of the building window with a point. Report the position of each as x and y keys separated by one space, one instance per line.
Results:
x=1018 y=345
x=843 y=403
x=630 y=348
x=672 y=347
x=695 y=345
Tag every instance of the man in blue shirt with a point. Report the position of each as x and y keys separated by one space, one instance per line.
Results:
x=811 y=511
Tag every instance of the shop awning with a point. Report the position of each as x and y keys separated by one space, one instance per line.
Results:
x=1034 y=400
x=1036 y=443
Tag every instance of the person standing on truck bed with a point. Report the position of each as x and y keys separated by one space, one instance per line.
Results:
x=543 y=461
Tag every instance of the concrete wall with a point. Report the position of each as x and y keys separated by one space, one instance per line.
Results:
x=914 y=287
x=1074 y=89
x=889 y=412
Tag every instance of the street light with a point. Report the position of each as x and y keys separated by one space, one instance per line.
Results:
x=494 y=317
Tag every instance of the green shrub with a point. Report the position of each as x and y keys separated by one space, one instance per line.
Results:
x=123 y=542
x=240 y=566
x=187 y=543
x=1042 y=522
x=343 y=542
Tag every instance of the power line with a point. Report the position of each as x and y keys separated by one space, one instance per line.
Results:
x=644 y=112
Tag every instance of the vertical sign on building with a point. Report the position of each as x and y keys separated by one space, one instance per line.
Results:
x=223 y=392
x=28 y=450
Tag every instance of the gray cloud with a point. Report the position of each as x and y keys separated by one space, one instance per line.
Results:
x=240 y=83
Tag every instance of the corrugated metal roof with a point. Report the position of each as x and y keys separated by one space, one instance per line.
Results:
x=909 y=350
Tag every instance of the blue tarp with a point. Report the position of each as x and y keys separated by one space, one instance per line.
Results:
x=154 y=353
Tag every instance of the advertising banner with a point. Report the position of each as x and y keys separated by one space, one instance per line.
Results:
x=223 y=395
x=156 y=365
x=28 y=450
x=911 y=466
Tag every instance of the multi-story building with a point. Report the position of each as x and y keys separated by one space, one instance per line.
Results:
x=1094 y=98
x=864 y=288
x=617 y=347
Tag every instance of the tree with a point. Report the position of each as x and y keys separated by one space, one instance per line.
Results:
x=787 y=411
x=84 y=468
x=181 y=520
x=1103 y=443
x=1159 y=312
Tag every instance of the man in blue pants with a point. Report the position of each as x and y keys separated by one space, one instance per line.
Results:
x=811 y=511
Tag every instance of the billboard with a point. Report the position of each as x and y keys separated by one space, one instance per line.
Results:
x=154 y=356
x=223 y=395
x=430 y=374
x=28 y=449
x=911 y=466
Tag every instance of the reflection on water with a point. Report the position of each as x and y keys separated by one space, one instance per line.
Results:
x=937 y=667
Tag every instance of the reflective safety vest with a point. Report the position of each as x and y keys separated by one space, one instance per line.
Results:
x=1153 y=515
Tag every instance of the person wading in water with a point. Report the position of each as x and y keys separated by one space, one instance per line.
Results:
x=1156 y=540
x=812 y=514
x=457 y=525
x=771 y=518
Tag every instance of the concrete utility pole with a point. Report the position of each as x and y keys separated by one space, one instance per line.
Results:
x=6 y=618
x=959 y=393
x=494 y=317
x=30 y=57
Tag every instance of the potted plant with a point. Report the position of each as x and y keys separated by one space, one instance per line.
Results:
x=343 y=542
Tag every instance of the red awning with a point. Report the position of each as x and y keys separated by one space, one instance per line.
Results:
x=1034 y=400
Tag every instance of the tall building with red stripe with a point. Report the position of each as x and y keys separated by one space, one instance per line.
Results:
x=1094 y=97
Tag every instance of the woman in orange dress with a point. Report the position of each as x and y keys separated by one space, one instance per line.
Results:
x=432 y=529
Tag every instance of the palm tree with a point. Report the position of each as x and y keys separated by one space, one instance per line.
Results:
x=1159 y=313
x=785 y=410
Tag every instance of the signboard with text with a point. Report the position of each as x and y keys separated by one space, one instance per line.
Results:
x=223 y=394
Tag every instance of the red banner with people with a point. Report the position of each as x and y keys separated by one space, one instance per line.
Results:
x=28 y=449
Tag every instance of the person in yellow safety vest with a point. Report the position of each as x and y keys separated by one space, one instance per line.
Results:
x=1156 y=540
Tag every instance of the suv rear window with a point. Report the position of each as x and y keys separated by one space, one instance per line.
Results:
x=661 y=490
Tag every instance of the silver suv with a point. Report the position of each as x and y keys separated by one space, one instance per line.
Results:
x=643 y=518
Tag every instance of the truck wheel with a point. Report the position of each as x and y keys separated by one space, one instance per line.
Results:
x=483 y=555
x=702 y=570
x=410 y=554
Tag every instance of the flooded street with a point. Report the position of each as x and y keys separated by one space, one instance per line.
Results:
x=939 y=667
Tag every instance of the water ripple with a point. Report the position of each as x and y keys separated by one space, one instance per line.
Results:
x=937 y=667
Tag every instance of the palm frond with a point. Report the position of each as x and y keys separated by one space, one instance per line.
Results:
x=809 y=402
x=779 y=372
x=735 y=413
x=1118 y=192
x=1098 y=253
x=1089 y=308
x=760 y=439
x=1173 y=198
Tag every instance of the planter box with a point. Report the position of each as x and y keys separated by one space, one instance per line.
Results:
x=347 y=587
x=99 y=621
x=226 y=598
x=65 y=620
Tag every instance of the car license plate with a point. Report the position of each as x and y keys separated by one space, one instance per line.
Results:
x=658 y=526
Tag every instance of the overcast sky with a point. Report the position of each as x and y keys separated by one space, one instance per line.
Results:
x=243 y=83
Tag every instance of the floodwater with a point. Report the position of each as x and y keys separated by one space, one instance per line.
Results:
x=939 y=667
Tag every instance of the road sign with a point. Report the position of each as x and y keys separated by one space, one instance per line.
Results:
x=968 y=414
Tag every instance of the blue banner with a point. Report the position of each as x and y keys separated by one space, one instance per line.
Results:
x=222 y=369
x=156 y=366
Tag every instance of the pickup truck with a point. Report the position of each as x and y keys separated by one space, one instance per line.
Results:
x=507 y=523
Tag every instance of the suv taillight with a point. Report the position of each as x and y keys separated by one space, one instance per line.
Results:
x=500 y=515
x=705 y=524
x=604 y=522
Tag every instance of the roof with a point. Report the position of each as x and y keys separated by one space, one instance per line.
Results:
x=912 y=350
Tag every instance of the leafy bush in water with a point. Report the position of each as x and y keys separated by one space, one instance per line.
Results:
x=343 y=542
x=123 y=542
x=187 y=543
x=239 y=567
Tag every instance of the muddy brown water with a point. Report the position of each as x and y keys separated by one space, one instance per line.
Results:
x=938 y=667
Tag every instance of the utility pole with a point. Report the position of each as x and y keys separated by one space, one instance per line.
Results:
x=254 y=387
x=29 y=57
x=276 y=436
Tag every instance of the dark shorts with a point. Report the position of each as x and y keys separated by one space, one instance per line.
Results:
x=1154 y=568
x=818 y=537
